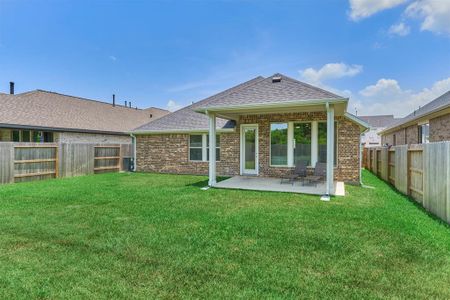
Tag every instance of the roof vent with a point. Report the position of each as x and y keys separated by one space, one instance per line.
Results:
x=276 y=79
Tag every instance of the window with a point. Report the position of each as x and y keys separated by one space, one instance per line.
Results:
x=199 y=147
x=278 y=144
x=293 y=142
x=217 y=147
x=195 y=147
x=322 y=138
x=15 y=136
x=302 y=143
x=26 y=135
x=424 y=133
x=36 y=136
x=394 y=140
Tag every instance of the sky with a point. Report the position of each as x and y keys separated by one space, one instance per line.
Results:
x=387 y=57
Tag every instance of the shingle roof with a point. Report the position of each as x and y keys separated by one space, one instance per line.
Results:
x=53 y=110
x=438 y=103
x=259 y=90
x=267 y=91
x=378 y=121
x=187 y=119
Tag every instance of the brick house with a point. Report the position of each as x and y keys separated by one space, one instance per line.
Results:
x=377 y=123
x=261 y=127
x=430 y=123
x=43 y=116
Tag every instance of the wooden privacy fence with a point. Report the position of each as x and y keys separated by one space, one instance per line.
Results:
x=31 y=161
x=419 y=171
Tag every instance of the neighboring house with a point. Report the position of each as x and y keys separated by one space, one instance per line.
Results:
x=377 y=123
x=430 y=123
x=261 y=127
x=42 y=116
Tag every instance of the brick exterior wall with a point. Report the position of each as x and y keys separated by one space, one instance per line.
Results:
x=169 y=153
x=440 y=129
x=409 y=135
x=76 y=137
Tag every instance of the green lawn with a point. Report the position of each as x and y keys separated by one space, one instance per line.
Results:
x=160 y=236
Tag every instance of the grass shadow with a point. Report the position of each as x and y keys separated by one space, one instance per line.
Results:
x=204 y=183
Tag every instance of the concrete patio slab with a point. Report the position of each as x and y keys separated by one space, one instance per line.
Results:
x=273 y=185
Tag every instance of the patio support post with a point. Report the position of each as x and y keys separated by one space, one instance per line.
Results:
x=212 y=149
x=330 y=149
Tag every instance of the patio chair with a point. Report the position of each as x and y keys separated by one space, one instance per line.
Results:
x=320 y=173
x=299 y=172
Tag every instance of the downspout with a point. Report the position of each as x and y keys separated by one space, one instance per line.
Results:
x=133 y=138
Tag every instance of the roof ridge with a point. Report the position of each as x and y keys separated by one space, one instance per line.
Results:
x=233 y=89
x=77 y=98
x=308 y=85
x=219 y=95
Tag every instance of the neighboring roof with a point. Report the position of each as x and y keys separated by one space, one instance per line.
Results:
x=258 y=90
x=50 y=110
x=378 y=121
x=437 y=104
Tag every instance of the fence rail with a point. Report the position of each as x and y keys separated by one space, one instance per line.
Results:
x=419 y=171
x=32 y=161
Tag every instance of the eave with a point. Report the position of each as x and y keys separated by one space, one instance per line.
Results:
x=180 y=131
x=443 y=110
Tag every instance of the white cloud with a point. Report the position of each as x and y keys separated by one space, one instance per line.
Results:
x=361 y=9
x=173 y=106
x=387 y=97
x=384 y=87
x=329 y=71
x=112 y=57
x=435 y=15
x=400 y=29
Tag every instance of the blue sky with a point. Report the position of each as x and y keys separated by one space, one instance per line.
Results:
x=387 y=56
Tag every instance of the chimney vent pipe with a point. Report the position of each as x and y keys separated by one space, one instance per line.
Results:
x=11 y=87
x=114 y=100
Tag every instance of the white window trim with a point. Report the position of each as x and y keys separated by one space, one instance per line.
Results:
x=289 y=144
x=204 y=147
x=314 y=143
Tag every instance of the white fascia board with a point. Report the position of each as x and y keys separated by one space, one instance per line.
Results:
x=286 y=104
x=185 y=131
x=358 y=121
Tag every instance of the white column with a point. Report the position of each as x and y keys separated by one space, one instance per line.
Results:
x=330 y=148
x=314 y=142
x=212 y=149
x=204 y=148
x=290 y=144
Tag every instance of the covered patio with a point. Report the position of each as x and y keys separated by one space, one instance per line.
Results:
x=274 y=185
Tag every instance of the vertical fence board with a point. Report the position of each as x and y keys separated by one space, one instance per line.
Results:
x=436 y=179
x=415 y=173
x=6 y=163
x=77 y=159
x=401 y=169
x=391 y=165
x=384 y=153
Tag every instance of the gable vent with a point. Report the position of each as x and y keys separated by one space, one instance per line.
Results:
x=276 y=79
